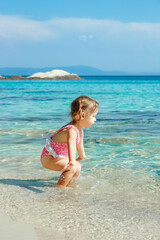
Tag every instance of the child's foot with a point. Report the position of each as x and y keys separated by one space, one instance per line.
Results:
x=59 y=186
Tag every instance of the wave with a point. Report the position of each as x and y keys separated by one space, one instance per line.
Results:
x=27 y=133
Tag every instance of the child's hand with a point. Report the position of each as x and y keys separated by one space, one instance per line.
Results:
x=80 y=159
x=68 y=166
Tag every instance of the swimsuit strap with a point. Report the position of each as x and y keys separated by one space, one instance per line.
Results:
x=82 y=133
x=72 y=127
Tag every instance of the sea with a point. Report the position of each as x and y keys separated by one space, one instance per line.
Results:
x=118 y=193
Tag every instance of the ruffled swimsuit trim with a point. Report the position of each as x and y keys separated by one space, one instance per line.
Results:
x=59 y=149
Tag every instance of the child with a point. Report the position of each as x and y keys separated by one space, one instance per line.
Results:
x=59 y=153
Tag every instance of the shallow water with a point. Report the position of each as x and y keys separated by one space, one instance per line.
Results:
x=117 y=195
x=105 y=204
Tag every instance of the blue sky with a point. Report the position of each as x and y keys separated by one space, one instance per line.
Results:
x=110 y=35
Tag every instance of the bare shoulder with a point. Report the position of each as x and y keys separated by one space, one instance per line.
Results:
x=71 y=133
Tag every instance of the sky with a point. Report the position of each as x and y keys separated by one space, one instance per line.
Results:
x=117 y=35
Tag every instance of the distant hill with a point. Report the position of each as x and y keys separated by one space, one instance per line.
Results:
x=80 y=70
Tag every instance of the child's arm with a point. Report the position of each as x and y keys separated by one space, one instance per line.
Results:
x=71 y=141
x=80 y=150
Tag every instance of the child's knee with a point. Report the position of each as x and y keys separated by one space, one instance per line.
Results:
x=73 y=169
x=78 y=168
x=78 y=165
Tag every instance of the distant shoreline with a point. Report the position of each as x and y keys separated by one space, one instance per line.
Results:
x=18 y=77
x=76 y=77
x=81 y=70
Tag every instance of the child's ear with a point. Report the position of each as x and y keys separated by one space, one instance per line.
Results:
x=83 y=115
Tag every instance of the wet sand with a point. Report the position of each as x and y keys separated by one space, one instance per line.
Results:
x=11 y=230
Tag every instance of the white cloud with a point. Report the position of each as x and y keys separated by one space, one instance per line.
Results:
x=20 y=29
x=85 y=38
x=13 y=27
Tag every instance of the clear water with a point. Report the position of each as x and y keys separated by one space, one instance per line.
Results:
x=118 y=191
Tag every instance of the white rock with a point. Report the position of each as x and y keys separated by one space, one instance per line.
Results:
x=51 y=74
x=1 y=76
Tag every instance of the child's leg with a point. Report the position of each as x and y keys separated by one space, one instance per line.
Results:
x=75 y=176
x=68 y=177
x=57 y=165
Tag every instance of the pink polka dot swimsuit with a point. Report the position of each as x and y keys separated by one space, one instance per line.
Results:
x=56 y=149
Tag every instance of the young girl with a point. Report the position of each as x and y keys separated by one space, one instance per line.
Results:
x=59 y=153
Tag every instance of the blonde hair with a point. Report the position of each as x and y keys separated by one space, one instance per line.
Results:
x=83 y=104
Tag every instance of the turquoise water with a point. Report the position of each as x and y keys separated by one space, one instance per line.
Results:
x=122 y=148
x=126 y=133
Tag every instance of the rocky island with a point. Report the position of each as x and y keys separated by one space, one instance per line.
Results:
x=52 y=75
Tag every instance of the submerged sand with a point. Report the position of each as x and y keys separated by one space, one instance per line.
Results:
x=109 y=204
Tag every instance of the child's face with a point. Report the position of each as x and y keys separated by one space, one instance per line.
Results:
x=89 y=119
